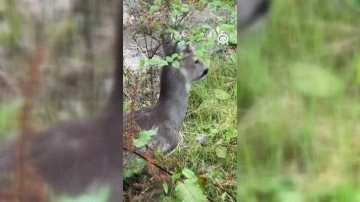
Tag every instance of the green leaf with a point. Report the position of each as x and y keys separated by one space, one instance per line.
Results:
x=126 y=106
x=176 y=176
x=227 y=28
x=200 y=53
x=157 y=61
x=221 y=152
x=157 y=2
x=169 y=59
x=314 y=80
x=232 y=38
x=144 y=137
x=205 y=26
x=181 y=44
x=153 y=9
x=175 y=55
x=176 y=64
x=221 y=95
x=177 y=36
x=188 y=173
x=189 y=191
x=166 y=187
x=142 y=62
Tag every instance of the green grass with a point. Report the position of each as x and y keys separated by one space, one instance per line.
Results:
x=213 y=116
x=298 y=105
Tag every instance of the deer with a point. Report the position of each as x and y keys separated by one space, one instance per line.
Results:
x=77 y=157
x=168 y=114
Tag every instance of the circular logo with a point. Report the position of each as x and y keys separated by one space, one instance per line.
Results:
x=223 y=39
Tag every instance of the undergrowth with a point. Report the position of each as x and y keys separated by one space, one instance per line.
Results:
x=202 y=170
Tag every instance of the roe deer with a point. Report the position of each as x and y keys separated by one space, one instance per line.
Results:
x=75 y=157
x=169 y=112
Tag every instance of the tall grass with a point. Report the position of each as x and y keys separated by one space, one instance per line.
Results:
x=298 y=104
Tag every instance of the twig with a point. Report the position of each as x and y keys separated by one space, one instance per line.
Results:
x=146 y=159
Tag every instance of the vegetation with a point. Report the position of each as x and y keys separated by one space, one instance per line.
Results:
x=298 y=104
x=206 y=171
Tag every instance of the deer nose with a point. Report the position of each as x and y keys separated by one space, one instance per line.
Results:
x=204 y=73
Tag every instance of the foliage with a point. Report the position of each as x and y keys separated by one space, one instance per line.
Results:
x=169 y=19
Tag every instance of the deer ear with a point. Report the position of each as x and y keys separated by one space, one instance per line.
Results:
x=189 y=47
x=169 y=47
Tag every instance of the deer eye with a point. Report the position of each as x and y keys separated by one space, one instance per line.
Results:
x=197 y=61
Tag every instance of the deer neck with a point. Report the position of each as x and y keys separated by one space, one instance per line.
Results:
x=174 y=95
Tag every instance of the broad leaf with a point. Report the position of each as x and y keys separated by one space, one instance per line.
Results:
x=176 y=64
x=188 y=173
x=189 y=191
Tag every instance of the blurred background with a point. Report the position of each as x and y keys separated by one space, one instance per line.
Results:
x=298 y=104
x=78 y=38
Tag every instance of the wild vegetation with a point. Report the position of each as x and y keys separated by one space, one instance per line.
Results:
x=199 y=172
x=298 y=104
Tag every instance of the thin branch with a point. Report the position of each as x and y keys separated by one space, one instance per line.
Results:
x=146 y=159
